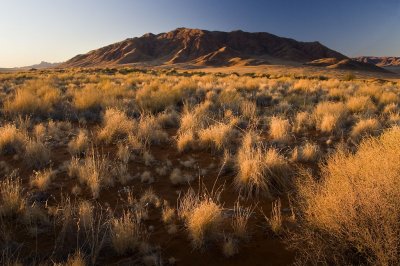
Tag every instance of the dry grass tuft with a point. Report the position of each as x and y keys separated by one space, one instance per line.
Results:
x=37 y=154
x=79 y=144
x=202 y=216
x=12 y=140
x=94 y=171
x=307 y=153
x=219 y=136
x=370 y=126
x=42 y=179
x=275 y=219
x=116 y=125
x=240 y=220
x=279 y=129
x=12 y=200
x=329 y=116
x=251 y=167
x=126 y=232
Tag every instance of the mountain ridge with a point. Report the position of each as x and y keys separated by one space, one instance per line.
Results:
x=381 y=61
x=202 y=47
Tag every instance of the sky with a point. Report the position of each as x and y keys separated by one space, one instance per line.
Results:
x=32 y=31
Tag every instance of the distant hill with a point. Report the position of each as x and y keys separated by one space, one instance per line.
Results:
x=205 y=48
x=388 y=61
x=41 y=65
x=346 y=64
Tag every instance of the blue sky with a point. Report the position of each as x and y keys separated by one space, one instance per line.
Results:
x=56 y=30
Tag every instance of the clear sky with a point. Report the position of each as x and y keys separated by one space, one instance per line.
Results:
x=56 y=30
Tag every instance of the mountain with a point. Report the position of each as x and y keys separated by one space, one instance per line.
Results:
x=204 y=48
x=385 y=61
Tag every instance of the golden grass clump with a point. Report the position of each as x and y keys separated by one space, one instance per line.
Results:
x=358 y=104
x=12 y=140
x=185 y=141
x=202 y=216
x=88 y=97
x=76 y=259
x=42 y=179
x=307 y=153
x=218 y=136
x=79 y=144
x=277 y=170
x=351 y=215
x=302 y=122
x=370 y=126
x=149 y=130
x=116 y=125
x=34 y=97
x=157 y=96
x=280 y=129
x=330 y=116
x=251 y=167
x=388 y=97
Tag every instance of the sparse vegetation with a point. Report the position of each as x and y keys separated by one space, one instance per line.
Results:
x=105 y=156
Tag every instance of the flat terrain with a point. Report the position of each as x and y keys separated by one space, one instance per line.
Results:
x=266 y=165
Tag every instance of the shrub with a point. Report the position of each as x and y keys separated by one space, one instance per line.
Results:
x=350 y=216
x=90 y=97
x=11 y=139
x=149 y=130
